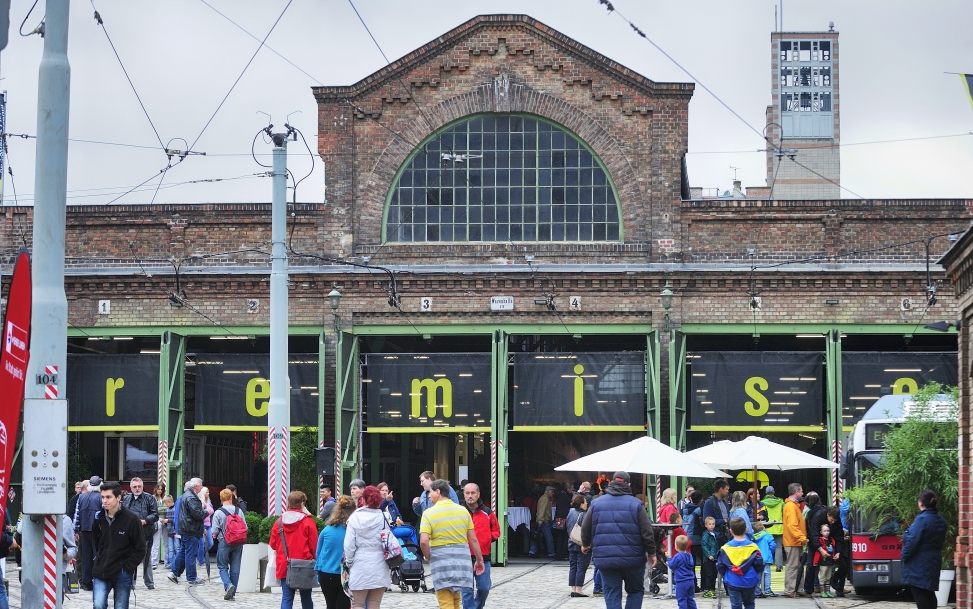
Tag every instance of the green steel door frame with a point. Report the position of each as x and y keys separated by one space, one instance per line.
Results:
x=677 y=391
x=172 y=405
x=347 y=411
x=653 y=386
x=322 y=354
x=833 y=417
x=498 y=438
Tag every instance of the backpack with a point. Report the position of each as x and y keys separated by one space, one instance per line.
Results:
x=235 y=533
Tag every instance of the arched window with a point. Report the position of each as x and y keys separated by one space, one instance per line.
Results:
x=502 y=177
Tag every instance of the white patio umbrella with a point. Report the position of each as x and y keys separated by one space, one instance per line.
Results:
x=757 y=453
x=643 y=456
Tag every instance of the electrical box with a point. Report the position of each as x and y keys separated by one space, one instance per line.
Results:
x=45 y=456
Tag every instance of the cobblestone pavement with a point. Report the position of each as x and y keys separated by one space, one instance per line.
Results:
x=522 y=584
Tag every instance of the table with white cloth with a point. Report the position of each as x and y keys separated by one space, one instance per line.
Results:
x=517 y=516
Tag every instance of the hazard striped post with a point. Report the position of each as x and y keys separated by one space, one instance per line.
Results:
x=284 y=457
x=320 y=482
x=337 y=467
x=163 y=474
x=658 y=494
x=493 y=476
x=836 y=486
x=50 y=389
x=271 y=472
x=50 y=562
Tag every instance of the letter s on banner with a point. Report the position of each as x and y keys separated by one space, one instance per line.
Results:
x=753 y=384
x=14 y=356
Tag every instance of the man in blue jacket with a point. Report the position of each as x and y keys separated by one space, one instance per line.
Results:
x=718 y=508
x=619 y=533
x=420 y=503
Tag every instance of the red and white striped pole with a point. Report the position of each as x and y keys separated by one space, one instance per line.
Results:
x=163 y=474
x=320 y=482
x=50 y=562
x=658 y=494
x=836 y=486
x=337 y=467
x=272 y=477
x=493 y=476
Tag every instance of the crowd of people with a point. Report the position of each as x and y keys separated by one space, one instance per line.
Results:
x=740 y=536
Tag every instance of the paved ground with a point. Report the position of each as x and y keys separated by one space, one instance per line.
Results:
x=522 y=584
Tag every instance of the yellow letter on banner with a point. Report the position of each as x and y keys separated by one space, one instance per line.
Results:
x=753 y=384
x=904 y=385
x=258 y=389
x=578 y=391
x=432 y=392
x=111 y=386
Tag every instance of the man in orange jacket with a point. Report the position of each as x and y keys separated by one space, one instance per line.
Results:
x=487 y=530
x=795 y=536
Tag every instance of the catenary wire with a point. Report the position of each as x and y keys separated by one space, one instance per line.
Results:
x=241 y=28
x=101 y=22
x=26 y=17
x=233 y=86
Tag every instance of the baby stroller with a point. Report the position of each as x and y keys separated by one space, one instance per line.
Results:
x=411 y=572
x=659 y=574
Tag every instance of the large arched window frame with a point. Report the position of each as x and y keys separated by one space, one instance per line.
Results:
x=492 y=178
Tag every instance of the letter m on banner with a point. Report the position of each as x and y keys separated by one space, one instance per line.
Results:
x=432 y=392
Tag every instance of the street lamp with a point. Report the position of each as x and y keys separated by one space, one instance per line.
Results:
x=334 y=296
x=666 y=297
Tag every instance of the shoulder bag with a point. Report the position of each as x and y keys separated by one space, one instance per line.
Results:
x=300 y=572
x=393 y=551
x=575 y=535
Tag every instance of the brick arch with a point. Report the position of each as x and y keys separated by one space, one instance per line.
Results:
x=514 y=99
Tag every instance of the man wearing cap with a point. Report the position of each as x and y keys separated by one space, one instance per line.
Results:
x=619 y=533
x=89 y=504
x=544 y=517
x=775 y=513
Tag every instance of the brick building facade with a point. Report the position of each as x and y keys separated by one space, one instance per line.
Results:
x=764 y=278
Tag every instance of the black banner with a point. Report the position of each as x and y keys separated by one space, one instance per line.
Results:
x=756 y=389
x=113 y=390
x=866 y=376
x=233 y=390
x=589 y=390
x=427 y=391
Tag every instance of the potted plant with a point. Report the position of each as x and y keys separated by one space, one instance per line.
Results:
x=250 y=560
x=919 y=453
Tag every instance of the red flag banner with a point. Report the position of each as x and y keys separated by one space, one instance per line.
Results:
x=14 y=354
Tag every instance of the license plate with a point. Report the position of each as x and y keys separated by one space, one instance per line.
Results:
x=883 y=579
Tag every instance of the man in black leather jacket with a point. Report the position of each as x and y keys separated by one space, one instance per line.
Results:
x=144 y=507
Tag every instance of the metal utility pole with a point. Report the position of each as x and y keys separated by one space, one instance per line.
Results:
x=41 y=575
x=279 y=409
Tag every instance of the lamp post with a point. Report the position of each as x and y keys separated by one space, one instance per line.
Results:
x=334 y=296
x=666 y=297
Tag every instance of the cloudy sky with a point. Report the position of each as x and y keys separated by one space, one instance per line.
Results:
x=183 y=57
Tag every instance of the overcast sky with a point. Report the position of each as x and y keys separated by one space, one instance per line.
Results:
x=183 y=57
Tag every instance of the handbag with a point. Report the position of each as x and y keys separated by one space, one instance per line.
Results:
x=560 y=523
x=300 y=572
x=393 y=551
x=575 y=535
x=345 y=577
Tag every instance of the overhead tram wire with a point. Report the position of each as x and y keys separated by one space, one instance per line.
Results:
x=235 y=82
x=244 y=30
x=842 y=145
x=101 y=22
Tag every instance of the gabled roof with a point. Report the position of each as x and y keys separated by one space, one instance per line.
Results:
x=394 y=71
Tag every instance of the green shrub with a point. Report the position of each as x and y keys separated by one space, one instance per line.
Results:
x=253 y=526
x=320 y=524
x=265 y=525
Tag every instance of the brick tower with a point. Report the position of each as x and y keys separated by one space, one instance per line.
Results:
x=804 y=116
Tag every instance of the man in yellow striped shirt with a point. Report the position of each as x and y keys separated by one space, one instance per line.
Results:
x=446 y=537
